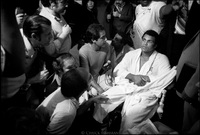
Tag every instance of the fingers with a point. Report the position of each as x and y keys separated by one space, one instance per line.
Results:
x=44 y=74
x=145 y=78
x=142 y=80
x=141 y=83
x=67 y=28
x=101 y=99
x=20 y=17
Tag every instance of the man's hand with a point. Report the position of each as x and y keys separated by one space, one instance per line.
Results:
x=100 y=99
x=108 y=16
x=116 y=14
x=66 y=29
x=139 y=80
x=20 y=18
x=40 y=77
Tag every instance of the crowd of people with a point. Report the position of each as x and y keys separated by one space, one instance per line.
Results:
x=68 y=66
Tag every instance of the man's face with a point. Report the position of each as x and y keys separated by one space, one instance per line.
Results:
x=107 y=1
x=68 y=64
x=90 y=4
x=117 y=41
x=47 y=36
x=145 y=3
x=60 y=6
x=148 y=44
x=101 y=41
x=118 y=2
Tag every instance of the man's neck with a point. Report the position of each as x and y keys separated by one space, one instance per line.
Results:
x=95 y=47
x=54 y=13
x=34 y=44
x=118 y=50
x=146 y=54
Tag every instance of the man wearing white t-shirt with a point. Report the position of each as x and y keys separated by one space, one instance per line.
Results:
x=150 y=15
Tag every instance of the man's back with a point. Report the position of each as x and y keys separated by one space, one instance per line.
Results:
x=58 y=112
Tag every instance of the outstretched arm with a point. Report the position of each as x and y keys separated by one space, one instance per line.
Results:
x=11 y=39
x=168 y=9
x=86 y=105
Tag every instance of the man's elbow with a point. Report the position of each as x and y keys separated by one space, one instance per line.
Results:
x=166 y=10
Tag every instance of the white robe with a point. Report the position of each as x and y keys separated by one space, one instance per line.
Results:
x=140 y=102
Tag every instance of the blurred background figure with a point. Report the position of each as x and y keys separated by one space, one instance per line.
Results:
x=121 y=16
x=103 y=9
x=91 y=11
x=77 y=21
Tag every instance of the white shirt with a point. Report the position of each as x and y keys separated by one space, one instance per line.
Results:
x=58 y=112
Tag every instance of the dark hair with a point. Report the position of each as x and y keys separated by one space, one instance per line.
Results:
x=153 y=34
x=33 y=24
x=58 y=62
x=73 y=83
x=29 y=6
x=47 y=3
x=93 y=32
x=84 y=3
x=124 y=37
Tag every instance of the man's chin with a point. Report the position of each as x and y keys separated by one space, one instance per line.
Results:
x=63 y=12
x=145 y=3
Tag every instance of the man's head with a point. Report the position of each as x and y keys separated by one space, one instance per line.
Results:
x=96 y=34
x=38 y=30
x=74 y=82
x=89 y=4
x=64 y=62
x=58 y=6
x=107 y=1
x=149 y=41
x=119 y=2
x=119 y=40
x=145 y=3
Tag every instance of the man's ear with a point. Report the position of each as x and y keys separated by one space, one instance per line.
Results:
x=94 y=41
x=155 y=46
x=52 y=5
x=34 y=36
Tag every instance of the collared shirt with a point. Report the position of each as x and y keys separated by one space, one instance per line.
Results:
x=58 y=112
x=3 y=58
x=56 y=47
